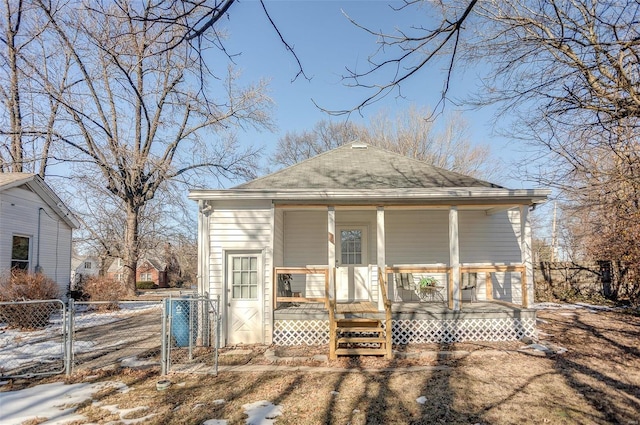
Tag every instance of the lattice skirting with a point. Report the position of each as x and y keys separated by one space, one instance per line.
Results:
x=316 y=332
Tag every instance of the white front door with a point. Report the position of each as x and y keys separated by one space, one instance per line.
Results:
x=244 y=294
x=352 y=274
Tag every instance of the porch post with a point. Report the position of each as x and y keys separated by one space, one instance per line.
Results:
x=331 y=243
x=454 y=292
x=382 y=261
x=525 y=248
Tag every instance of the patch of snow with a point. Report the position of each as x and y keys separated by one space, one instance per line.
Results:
x=335 y=392
x=550 y=349
x=113 y=409
x=592 y=308
x=422 y=399
x=19 y=347
x=219 y=401
x=595 y=307
x=262 y=412
x=215 y=422
x=49 y=401
x=133 y=361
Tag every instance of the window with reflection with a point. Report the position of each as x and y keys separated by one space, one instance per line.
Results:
x=351 y=246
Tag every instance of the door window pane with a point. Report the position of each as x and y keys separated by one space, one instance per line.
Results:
x=351 y=246
x=244 y=277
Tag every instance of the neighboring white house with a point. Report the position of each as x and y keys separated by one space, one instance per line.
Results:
x=340 y=227
x=82 y=267
x=35 y=228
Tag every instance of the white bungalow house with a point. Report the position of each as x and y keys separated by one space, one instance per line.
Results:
x=35 y=228
x=83 y=267
x=360 y=238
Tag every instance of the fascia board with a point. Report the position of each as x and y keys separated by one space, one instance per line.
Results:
x=50 y=198
x=531 y=196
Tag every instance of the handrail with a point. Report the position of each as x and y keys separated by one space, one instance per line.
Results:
x=332 y=329
x=387 y=310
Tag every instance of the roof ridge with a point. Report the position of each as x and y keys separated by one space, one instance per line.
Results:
x=328 y=151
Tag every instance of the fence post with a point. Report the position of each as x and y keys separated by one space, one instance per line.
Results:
x=218 y=317
x=163 y=348
x=69 y=337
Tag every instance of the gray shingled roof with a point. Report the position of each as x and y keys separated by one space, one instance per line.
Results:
x=7 y=179
x=359 y=166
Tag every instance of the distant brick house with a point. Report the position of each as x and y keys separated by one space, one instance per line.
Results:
x=148 y=270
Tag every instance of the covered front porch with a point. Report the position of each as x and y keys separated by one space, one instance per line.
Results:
x=448 y=253
x=315 y=321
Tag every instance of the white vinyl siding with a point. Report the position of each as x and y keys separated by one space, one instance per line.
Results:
x=305 y=244
x=417 y=237
x=236 y=227
x=491 y=239
x=19 y=216
x=278 y=238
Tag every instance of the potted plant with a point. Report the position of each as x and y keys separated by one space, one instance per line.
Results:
x=430 y=281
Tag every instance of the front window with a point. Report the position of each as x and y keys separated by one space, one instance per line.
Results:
x=244 y=275
x=20 y=253
x=145 y=277
x=87 y=264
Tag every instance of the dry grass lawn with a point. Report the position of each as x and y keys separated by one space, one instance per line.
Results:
x=597 y=381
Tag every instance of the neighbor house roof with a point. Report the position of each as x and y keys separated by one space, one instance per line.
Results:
x=360 y=166
x=34 y=183
x=358 y=174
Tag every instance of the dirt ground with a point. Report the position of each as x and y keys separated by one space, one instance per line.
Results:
x=596 y=381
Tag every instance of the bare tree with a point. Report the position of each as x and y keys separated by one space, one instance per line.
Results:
x=30 y=113
x=326 y=135
x=409 y=133
x=133 y=114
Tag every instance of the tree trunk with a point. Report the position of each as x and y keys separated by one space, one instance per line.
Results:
x=15 y=114
x=131 y=249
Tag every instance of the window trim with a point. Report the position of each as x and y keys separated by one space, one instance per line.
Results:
x=16 y=260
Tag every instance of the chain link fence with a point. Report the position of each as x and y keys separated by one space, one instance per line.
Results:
x=115 y=334
x=191 y=335
x=33 y=338
x=47 y=337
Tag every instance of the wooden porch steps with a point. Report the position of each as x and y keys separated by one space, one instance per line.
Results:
x=359 y=337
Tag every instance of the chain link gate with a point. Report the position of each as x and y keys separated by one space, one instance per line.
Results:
x=33 y=338
x=190 y=335
x=114 y=334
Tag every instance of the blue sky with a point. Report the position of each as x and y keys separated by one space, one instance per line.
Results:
x=326 y=42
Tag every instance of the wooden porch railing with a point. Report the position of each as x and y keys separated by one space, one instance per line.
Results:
x=488 y=269
x=388 y=326
x=304 y=271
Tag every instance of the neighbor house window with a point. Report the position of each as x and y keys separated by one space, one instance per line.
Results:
x=119 y=277
x=87 y=264
x=145 y=277
x=20 y=253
